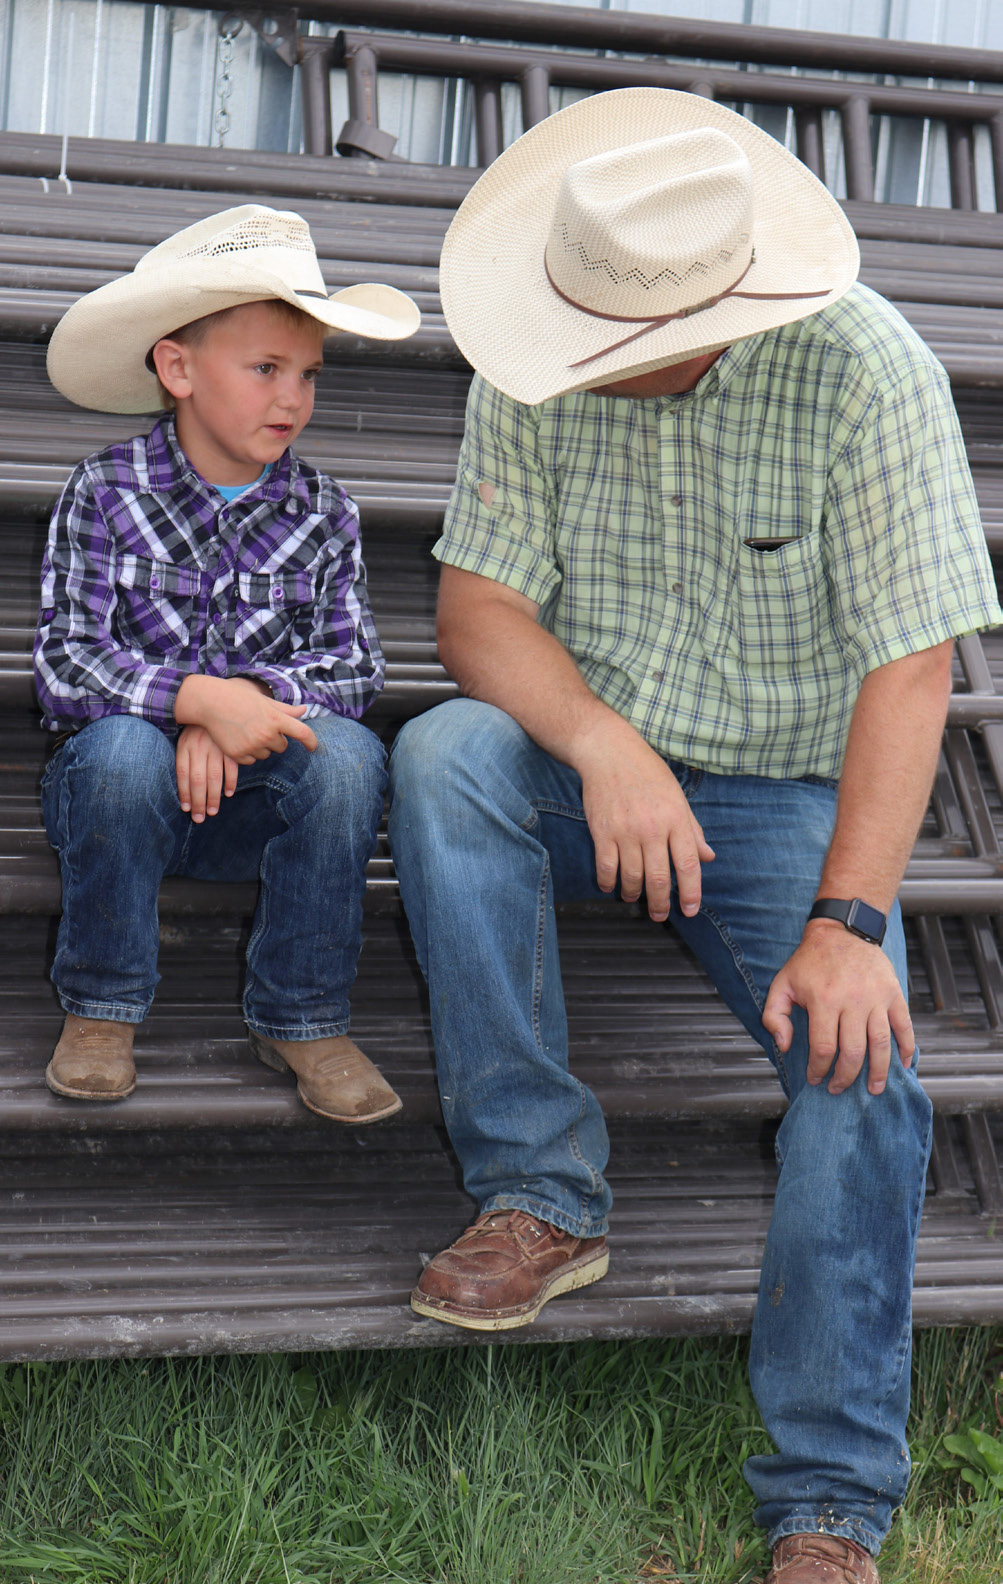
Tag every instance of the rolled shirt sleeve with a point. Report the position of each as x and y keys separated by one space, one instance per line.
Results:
x=905 y=553
x=500 y=518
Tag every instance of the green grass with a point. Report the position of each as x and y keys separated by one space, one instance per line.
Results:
x=587 y=1464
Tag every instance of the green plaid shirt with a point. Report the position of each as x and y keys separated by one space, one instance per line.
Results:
x=645 y=531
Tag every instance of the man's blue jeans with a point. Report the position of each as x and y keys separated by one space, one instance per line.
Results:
x=487 y=831
x=303 y=823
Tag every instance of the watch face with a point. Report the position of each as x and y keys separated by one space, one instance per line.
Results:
x=856 y=916
x=866 y=922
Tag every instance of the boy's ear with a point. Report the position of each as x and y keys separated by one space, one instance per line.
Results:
x=170 y=359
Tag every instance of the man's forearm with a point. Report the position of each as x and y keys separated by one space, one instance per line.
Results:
x=498 y=653
x=848 y=986
x=888 y=770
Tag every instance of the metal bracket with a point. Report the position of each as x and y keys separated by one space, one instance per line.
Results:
x=280 y=31
x=359 y=138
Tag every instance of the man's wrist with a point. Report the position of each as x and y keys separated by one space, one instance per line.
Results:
x=600 y=733
x=854 y=914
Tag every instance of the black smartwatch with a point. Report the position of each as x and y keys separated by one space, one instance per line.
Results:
x=856 y=916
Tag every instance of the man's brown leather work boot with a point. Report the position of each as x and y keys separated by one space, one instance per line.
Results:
x=821 y=1559
x=503 y=1269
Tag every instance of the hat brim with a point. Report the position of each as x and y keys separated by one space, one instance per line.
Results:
x=515 y=329
x=97 y=353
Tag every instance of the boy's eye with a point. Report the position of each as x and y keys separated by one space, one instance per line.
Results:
x=264 y=368
x=310 y=374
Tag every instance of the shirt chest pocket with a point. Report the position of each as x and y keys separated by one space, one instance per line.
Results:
x=156 y=604
x=772 y=616
x=270 y=606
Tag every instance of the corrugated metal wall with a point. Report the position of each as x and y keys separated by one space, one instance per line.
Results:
x=116 y=69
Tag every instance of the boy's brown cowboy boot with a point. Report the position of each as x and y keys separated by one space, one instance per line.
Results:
x=335 y=1079
x=821 y=1559
x=93 y=1060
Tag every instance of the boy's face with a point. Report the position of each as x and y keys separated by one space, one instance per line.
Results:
x=245 y=392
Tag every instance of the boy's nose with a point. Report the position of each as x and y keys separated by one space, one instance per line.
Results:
x=292 y=395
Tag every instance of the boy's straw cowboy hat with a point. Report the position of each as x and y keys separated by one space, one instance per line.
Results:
x=632 y=230
x=98 y=351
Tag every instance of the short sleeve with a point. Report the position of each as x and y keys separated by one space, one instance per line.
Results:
x=907 y=561
x=500 y=519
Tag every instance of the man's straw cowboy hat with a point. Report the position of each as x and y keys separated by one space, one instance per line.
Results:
x=98 y=354
x=632 y=230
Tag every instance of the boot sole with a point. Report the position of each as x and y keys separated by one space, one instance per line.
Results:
x=353 y=1121
x=271 y=1058
x=568 y=1280
x=85 y=1094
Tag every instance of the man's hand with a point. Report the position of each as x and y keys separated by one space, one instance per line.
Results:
x=204 y=772
x=243 y=721
x=638 y=816
x=641 y=823
x=854 y=1004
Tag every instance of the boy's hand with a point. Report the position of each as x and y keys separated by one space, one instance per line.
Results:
x=204 y=771
x=243 y=720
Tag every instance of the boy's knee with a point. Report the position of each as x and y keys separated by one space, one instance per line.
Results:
x=114 y=775
x=122 y=750
x=349 y=762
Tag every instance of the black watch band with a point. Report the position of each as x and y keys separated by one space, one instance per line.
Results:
x=856 y=916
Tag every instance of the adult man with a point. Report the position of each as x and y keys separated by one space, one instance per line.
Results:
x=711 y=537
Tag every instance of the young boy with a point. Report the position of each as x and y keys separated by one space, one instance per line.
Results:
x=205 y=648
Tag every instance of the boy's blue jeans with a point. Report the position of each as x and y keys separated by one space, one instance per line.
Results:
x=487 y=830
x=304 y=823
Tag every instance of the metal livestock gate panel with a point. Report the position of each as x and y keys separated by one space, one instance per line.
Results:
x=212 y=1211
x=110 y=68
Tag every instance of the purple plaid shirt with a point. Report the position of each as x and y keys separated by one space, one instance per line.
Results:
x=150 y=575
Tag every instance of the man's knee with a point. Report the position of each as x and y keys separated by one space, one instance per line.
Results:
x=437 y=752
x=856 y=1132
